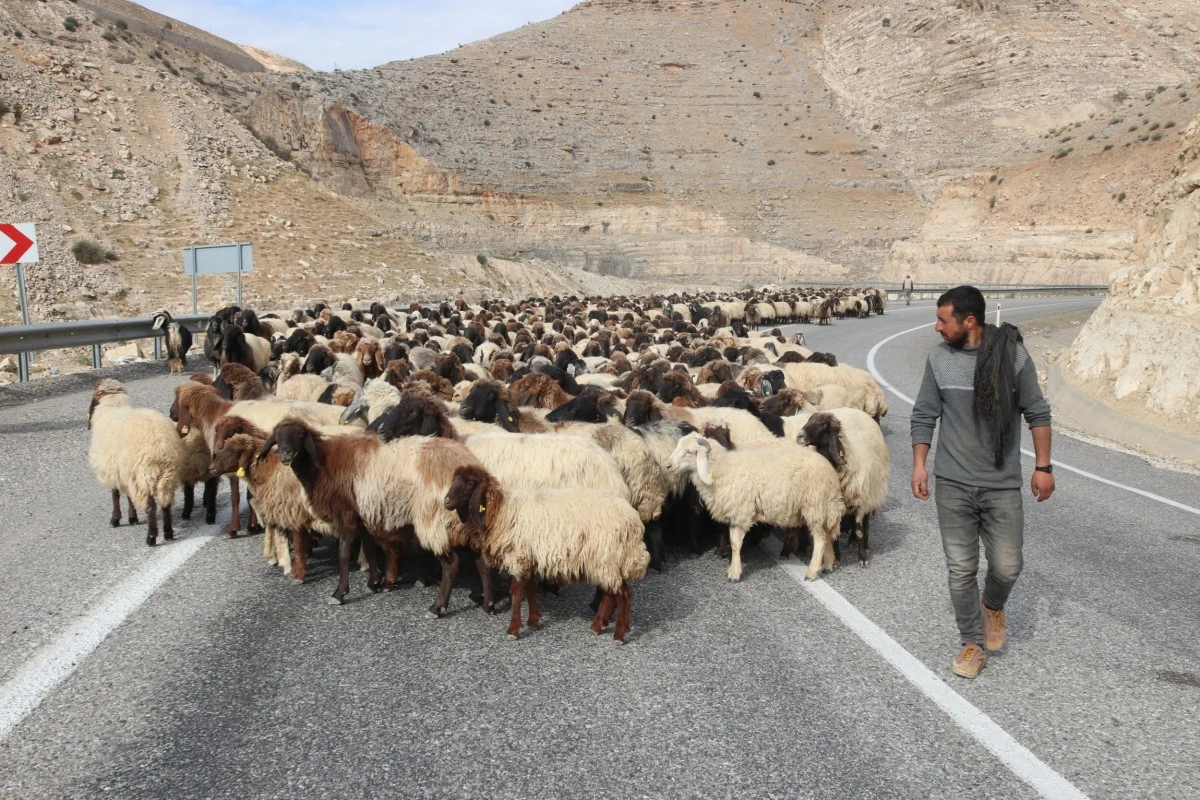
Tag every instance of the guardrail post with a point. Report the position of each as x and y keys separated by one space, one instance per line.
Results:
x=96 y=360
x=158 y=348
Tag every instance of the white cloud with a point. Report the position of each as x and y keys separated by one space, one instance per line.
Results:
x=356 y=34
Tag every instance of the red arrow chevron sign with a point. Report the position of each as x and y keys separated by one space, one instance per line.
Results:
x=23 y=247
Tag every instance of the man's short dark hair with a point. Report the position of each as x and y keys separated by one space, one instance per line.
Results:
x=967 y=302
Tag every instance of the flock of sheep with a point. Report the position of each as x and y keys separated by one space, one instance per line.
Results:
x=564 y=439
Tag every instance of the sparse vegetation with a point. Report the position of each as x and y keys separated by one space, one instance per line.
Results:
x=770 y=162
x=1063 y=153
x=108 y=36
x=295 y=86
x=993 y=178
x=269 y=142
x=71 y=24
x=482 y=259
x=1108 y=147
x=1120 y=197
x=887 y=22
x=1169 y=124
x=758 y=95
x=992 y=202
x=1120 y=96
x=122 y=25
x=89 y=251
x=1089 y=230
x=76 y=194
x=3 y=107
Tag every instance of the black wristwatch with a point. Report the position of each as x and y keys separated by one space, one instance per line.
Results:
x=1048 y=468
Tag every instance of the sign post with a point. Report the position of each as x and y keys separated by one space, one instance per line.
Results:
x=18 y=242
x=997 y=315
x=213 y=259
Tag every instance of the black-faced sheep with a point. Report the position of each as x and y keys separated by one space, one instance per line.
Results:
x=861 y=458
x=566 y=535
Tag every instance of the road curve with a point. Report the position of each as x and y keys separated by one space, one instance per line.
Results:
x=231 y=681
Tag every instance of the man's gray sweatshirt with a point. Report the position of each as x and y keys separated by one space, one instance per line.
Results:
x=964 y=447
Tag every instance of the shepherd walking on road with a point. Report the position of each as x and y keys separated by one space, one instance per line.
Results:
x=977 y=382
x=907 y=287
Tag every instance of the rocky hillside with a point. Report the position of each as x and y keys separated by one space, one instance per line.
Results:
x=1141 y=348
x=680 y=143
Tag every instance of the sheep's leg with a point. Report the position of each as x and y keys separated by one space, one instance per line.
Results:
x=235 y=504
x=133 y=517
x=189 y=500
x=624 y=613
x=517 y=590
x=268 y=549
x=791 y=540
x=653 y=537
x=253 y=525
x=152 y=521
x=210 y=501
x=535 y=612
x=820 y=541
x=300 y=551
x=168 y=527
x=864 y=540
x=347 y=550
x=449 y=571
x=723 y=542
x=374 y=553
x=116 y=515
x=283 y=555
x=597 y=598
x=604 y=612
x=806 y=541
x=486 y=584
x=736 y=535
x=395 y=558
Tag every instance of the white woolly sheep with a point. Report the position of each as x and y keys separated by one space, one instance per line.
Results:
x=134 y=452
x=785 y=485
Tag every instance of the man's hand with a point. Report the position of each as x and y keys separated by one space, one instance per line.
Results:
x=1041 y=484
x=920 y=482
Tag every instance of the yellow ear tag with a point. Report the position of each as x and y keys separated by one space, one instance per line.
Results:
x=510 y=419
x=483 y=509
x=241 y=473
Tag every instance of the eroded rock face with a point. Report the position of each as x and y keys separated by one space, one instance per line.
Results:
x=1143 y=343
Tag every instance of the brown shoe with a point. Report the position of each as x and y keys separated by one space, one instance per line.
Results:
x=995 y=628
x=968 y=663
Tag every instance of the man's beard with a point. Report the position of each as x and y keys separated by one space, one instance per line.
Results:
x=958 y=342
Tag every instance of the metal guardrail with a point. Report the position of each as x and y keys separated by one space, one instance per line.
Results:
x=26 y=339
x=993 y=292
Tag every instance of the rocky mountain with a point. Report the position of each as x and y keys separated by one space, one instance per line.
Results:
x=1141 y=349
x=622 y=144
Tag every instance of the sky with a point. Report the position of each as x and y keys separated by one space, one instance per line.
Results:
x=356 y=34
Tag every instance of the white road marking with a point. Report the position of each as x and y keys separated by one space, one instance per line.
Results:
x=55 y=662
x=884 y=383
x=1024 y=764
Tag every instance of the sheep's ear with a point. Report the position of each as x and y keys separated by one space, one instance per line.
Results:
x=310 y=447
x=702 y=468
x=266 y=448
x=358 y=406
x=431 y=424
x=506 y=416
x=478 y=505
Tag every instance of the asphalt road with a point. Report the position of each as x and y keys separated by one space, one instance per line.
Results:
x=232 y=681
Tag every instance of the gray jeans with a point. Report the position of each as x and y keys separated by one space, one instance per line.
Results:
x=967 y=514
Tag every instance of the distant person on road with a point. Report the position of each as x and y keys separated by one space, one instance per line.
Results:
x=907 y=286
x=977 y=382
